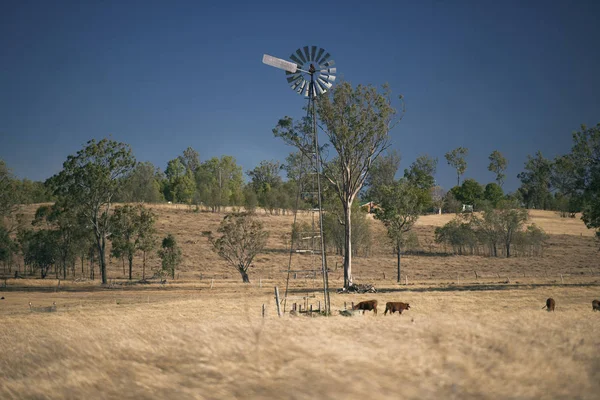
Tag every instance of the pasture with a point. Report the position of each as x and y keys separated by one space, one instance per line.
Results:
x=465 y=336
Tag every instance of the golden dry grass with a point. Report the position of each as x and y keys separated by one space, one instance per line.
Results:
x=202 y=344
x=464 y=337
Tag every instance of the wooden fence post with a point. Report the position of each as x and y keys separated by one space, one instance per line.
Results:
x=277 y=300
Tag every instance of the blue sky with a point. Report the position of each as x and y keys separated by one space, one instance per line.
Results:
x=162 y=76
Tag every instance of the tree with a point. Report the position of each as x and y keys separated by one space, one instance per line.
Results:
x=586 y=153
x=170 y=254
x=180 y=182
x=356 y=122
x=242 y=238
x=39 y=249
x=535 y=182
x=382 y=173
x=90 y=180
x=220 y=182
x=510 y=221
x=7 y=247
x=123 y=234
x=400 y=209
x=420 y=176
x=146 y=237
x=250 y=199
x=190 y=160
x=470 y=192
x=493 y=193
x=8 y=195
x=133 y=231
x=498 y=165
x=456 y=159
x=65 y=223
x=421 y=171
x=142 y=185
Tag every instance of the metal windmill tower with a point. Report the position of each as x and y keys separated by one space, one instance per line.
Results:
x=311 y=74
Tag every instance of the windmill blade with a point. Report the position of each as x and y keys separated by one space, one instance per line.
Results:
x=329 y=64
x=294 y=78
x=299 y=52
x=296 y=59
x=306 y=53
x=325 y=83
x=301 y=87
x=328 y=71
x=279 y=63
x=319 y=54
x=313 y=50
x=308 y=87
x=320 y=88
x=325 y=58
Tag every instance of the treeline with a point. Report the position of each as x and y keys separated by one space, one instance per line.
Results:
x=498 y=232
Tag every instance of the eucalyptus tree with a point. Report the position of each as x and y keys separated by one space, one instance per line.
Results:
x=399 y=211
x=356 y=122
x=89 y=181
x=242 y=237
x=456 y=159
x=498 y=165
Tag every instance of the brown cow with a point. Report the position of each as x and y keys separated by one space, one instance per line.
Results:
x=550 y=304
x=596 y=305
x=367 y=306
x=393 y=307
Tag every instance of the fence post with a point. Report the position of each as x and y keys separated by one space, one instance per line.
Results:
x=277 y=300
x=263 y=310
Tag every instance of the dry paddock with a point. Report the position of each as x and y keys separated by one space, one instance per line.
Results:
x=474 y=341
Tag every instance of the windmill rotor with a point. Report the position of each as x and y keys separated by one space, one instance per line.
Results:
x=310 y=73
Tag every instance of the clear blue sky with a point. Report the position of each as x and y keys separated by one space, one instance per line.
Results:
x=163 y=76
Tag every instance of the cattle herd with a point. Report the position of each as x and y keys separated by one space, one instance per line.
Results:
x=392 y=307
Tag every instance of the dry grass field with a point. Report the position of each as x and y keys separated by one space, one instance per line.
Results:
x=464 y=336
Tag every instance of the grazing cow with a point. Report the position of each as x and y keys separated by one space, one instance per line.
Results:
x=369 y=305
x=393 y=307
x=550 y=304
x=596 y=305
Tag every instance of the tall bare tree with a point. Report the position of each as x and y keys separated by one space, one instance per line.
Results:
x=498 y=165
x=357 y=122
x=456 y=159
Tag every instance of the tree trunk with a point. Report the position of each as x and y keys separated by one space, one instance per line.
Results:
x=244 y=274
x=101 y=248
x=144 y=267
x=507 y=249
x=398 y=256
x=130 y=257
x=64 y=269
x=348 y=246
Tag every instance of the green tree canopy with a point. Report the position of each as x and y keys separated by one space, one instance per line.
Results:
x=356 y=122
x=400 y=209
x=89 y=181
x=536 y=182
x=170 y=254
x=242 y=238
x=456 y=159
x=498 y=165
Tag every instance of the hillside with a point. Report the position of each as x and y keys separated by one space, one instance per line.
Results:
x=571 y=251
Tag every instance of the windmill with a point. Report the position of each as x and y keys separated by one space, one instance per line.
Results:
x=310 y=73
